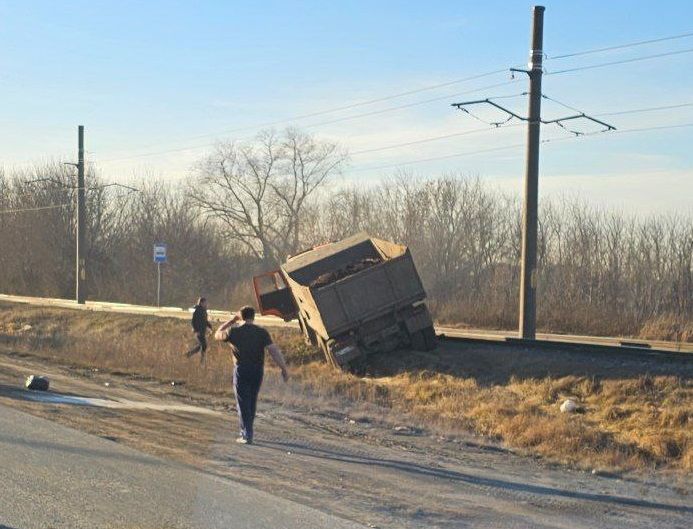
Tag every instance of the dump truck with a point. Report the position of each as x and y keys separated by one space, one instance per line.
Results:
x=352 y=298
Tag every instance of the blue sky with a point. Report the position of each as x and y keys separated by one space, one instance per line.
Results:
x=152 y=76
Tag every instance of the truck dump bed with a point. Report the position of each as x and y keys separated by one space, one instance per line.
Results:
x=339 y=286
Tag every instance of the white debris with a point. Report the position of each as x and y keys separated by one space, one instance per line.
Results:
x=568 y=406
x=26 y=327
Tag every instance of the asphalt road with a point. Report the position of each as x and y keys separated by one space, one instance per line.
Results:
x=55 y=477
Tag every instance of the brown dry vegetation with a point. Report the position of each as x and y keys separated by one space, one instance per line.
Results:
x=634 y=414
x=599 y=272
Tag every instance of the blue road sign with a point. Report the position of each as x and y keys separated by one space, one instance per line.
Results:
x=159 y=252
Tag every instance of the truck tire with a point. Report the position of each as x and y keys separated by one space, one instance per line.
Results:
x=424 y=340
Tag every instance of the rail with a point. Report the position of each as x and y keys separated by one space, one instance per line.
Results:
x=447 y=333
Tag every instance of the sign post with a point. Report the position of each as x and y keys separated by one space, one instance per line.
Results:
x=159 y=257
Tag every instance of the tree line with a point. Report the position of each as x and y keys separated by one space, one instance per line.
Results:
x=247 y=206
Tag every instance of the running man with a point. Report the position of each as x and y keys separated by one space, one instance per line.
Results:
x=248 y=343
x=200 y=324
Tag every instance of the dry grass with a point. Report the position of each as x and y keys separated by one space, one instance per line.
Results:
x=668 y=327
x=632 y=416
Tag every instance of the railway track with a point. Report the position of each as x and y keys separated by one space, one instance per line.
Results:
x=596 y=344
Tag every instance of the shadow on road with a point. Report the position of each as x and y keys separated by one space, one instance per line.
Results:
x=19 y=393
x=492 y=364
x=77 y=450
x=461 y=477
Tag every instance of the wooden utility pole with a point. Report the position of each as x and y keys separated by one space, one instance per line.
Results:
x=81 y=274
x=528 y=275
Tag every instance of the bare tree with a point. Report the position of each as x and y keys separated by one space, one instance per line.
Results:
x=260 y=191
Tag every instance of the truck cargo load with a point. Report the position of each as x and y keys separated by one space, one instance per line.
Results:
x=354 y=297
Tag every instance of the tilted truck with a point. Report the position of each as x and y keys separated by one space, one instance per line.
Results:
x=354 y=297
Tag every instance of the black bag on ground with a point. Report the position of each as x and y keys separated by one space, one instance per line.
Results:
x=37 y=383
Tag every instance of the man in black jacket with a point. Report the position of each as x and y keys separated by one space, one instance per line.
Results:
x=200 y=324
x=248 y=345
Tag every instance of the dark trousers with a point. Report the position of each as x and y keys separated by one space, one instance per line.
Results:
x=201 y=346
x=246 y=384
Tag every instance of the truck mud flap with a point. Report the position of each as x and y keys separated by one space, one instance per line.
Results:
x=420 y=319
x=346 y=354
x=424 y=340
x=340 y=354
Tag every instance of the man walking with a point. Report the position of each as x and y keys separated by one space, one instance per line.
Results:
x=248 y=343
x=200 y=324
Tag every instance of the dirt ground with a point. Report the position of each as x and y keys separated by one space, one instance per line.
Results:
x=634 y=412
x=362 y=463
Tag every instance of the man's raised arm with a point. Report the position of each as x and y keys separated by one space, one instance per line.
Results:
x=220 y=334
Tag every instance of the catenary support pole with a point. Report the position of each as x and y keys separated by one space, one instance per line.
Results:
x=528 y=276
x=81 y=274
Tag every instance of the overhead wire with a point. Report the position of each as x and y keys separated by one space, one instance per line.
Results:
x=516 y=145
x=408 y=105
x=429 y=139
x=622 y=61
x=346 y=107
x=618 y=46
x=621 y=112
x=478 y=131
x=435 y=158
x=646 y=109
x=482 y=130
x=40 y=208
x=328 y=122
x=415 y=91
x=357 y=104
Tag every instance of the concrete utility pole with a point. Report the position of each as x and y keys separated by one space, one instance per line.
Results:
x=81 y=275
x=528 y=276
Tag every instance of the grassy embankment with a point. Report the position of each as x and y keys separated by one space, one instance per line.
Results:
x=633 y=415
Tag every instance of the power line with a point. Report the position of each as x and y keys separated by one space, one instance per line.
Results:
x=647 y=109
x=622 y=112
x=55 y=206
x=427 y=140
x=446 y=136
x=348 y=107
x=564 y=105
x=393 y=96
x=622 y=61
x=434 y=158
x=328 y=122
x=515 y=145
x=363 y=103
x=619 y=46
x=408 y=105
x=482 y=130
x=643 y=129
